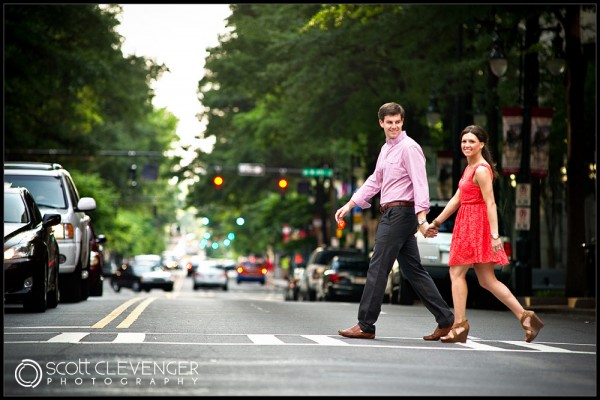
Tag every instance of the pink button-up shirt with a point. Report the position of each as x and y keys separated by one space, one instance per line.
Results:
x=400 y=174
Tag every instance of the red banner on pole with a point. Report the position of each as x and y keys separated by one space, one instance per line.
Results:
x=512 y=121
x=541 y=122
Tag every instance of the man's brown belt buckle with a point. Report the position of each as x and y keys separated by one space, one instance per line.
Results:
x=396 y=204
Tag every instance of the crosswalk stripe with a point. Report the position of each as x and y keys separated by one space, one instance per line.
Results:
x=478 y=346
x=68 y=337
x=264 y=339
x=130 y=337
x=326 y=340
x=537 y=346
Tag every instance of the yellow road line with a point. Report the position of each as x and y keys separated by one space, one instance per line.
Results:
x=135 y=313
x=115 y=313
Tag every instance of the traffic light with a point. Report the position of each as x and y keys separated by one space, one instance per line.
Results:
x=283 y=184
x=218 y=181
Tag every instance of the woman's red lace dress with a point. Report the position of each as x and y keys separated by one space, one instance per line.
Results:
x=471 y=238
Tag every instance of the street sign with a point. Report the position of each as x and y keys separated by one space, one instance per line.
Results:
x=320 y=172
x=246 y=169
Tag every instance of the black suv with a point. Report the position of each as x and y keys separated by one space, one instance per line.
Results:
x=311 y=283
x=55 y=193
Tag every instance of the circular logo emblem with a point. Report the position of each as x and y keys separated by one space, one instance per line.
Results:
x=22 y=373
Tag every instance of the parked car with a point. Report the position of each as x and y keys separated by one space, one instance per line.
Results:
x=31 y=252
x=292 y=290
x=55 y=193
x=311 y=284
x=252 y=271
x=96 y=277
x=210 y=274
x=434 y=254
x=142 y=275
x=345 y=277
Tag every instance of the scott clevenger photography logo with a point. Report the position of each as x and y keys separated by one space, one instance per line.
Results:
x=28 y=373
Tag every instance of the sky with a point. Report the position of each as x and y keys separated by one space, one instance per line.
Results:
x=176 y=35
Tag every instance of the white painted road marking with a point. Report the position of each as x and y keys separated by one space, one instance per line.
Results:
x=317 y=340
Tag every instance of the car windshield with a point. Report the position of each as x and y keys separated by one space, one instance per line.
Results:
x=324 y=257
x=14 y=208
x=143 y=267
x=353 y=264
x=46 y=190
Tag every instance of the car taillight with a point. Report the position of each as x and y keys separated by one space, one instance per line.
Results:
x=240 y=270
x=333 y=278
x=189 y=266
x=94 y=259
x=63 y=231
x=508 y=250
x=263 y=271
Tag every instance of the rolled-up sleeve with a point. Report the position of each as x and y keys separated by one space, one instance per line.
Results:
x=415 y=167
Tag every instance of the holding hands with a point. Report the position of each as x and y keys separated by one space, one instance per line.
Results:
x=430 y=230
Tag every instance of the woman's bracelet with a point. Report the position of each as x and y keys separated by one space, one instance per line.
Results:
x=435 y=223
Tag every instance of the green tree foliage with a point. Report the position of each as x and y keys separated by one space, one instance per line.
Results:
x=299 y=84
x=69 y=87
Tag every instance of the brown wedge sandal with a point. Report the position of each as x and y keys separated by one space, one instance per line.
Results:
x=458 y=337
x=535 y=324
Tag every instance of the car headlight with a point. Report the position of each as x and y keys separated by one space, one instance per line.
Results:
x=20 y=251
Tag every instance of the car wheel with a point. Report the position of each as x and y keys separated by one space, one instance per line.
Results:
x=38 y=299
x=329 y=296
x=225 y=287
x=136 y=287
x=70 y=286
x=98 y=287
x=115 y=287
x=238 y=281
x=53 y=295
x=196 y=287
x=85 y=288
x=167 y=289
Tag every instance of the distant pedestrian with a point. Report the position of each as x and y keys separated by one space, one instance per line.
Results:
x=476 y=242
x=401 y=177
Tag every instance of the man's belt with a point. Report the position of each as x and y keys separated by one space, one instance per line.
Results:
x=397 y=204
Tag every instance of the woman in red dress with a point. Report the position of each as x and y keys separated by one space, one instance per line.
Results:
x=475 y=239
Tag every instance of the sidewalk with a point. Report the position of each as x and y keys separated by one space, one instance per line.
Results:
x=574 y=305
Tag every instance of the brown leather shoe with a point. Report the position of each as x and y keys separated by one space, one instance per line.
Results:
x=357 y=333
x=438 y=333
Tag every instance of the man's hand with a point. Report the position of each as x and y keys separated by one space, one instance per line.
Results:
x=341 y=213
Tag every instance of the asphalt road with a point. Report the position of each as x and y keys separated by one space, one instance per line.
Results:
x=248 y=341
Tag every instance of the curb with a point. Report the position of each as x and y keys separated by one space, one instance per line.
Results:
x=571 y=305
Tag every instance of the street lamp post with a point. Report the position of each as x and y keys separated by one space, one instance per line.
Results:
x=528 y=241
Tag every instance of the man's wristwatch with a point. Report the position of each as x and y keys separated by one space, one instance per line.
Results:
x=495 y=236
x=422 y=221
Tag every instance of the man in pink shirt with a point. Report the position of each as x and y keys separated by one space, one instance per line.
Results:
x=401 y=177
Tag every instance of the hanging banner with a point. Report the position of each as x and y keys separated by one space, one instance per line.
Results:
x=512 y=121
x=541 y=122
